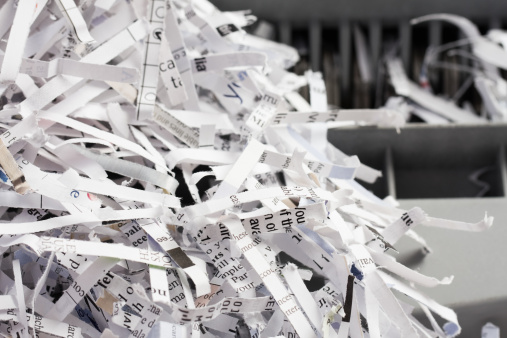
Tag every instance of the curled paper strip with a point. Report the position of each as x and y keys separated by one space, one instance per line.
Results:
x=209 y=203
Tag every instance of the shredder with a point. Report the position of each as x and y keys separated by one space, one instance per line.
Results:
x=450 y=171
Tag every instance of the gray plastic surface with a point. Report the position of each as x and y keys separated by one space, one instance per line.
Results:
x=429 y=163
x=478 y=293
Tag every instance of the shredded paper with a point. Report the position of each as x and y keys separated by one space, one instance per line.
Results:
x=487 y=56
x=162 y=177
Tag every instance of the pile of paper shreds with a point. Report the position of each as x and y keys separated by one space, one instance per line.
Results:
x=112 y=111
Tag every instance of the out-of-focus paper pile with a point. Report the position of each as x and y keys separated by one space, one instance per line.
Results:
x=161 y=176
x=485 y=57
x=437 y=69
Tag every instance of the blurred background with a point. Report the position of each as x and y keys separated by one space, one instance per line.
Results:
x=333 y=36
